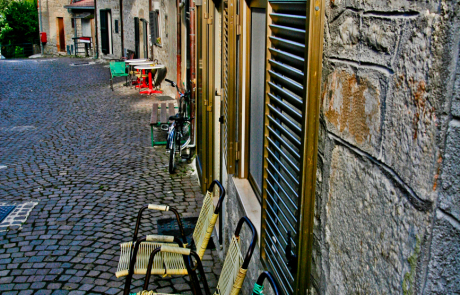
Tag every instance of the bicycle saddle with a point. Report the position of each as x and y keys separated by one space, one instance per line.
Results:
x=177 y=117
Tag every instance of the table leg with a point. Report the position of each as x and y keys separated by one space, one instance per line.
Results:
x=150 y=90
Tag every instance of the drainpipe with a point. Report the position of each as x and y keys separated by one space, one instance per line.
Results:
x=192 y=56
x=121 y=28
x=95 y=28
x=150 y=47
x=40 y=26
x=178 y=49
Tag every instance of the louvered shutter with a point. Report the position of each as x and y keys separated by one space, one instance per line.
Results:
x=153 y=17
x=104 y=32
x=229 y=53
x=136 y=36
x=283 y=138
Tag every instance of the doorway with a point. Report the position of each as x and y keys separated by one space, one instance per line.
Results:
x=106 y=31
x=61 y=35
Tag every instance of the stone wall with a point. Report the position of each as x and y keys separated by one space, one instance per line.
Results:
x=387 y=217
x=51 y=10
x=114 y=6
x=166 y=54
x=132 y=9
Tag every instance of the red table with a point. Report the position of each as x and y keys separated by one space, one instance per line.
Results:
x=133 y=62
x=150 y=69
x=141 y=83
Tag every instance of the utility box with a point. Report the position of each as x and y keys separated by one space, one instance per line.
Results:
x=43 y=38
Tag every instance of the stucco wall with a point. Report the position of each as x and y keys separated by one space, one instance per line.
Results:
x=387 y=217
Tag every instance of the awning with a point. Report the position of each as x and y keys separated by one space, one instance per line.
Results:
x=83 y=4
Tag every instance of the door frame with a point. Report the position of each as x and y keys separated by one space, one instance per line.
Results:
x=60 y=47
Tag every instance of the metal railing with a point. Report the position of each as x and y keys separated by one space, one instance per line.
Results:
x=17 y=50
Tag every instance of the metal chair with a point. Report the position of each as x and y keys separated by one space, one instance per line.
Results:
x=117 y=69
x=233 y=271
x=174 y=263
x=259 y=285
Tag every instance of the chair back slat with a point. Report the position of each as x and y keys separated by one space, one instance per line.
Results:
x=231 y=269
x=204 y=225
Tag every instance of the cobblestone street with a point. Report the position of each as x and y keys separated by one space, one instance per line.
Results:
x=77 y=158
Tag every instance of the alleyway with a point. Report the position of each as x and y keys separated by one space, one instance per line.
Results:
x=79 y=155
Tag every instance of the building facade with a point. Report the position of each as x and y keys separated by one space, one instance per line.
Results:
x=333 y=126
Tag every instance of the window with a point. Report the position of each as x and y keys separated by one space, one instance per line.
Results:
x=256 y=98
x=155 y=29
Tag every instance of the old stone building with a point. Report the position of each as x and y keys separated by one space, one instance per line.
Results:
x=371 y=138
x=64 y=22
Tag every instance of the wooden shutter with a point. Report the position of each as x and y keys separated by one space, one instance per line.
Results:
x=283 y=138
x=154 y=32
x=104 y=32
x=136 y=37
x=229 y=53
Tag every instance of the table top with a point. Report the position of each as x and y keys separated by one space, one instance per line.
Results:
x=135 y=60
x=138 y=63
x=147 y=67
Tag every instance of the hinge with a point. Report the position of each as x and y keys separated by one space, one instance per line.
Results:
x=238 y=26
x=205 y=15
x=237 y=150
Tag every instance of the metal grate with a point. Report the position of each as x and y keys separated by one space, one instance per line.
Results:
x=283 y=157
x=4 y=211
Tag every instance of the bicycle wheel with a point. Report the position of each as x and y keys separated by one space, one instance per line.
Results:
x=186 y=135
x=172 y=156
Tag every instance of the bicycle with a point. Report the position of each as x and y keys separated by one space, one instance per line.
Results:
x=178 y=136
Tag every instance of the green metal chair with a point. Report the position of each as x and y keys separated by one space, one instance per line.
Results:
x=117 y=69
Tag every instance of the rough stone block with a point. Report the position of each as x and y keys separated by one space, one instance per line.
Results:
x=372 y=231
x=380 y=38
x=409 y=144
x=443 y=268
x=449 y=199
x=344 y=34
x=456 y=98
x=352 y=101
x=335 y=7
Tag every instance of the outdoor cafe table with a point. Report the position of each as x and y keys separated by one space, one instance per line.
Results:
x=135 y=60
x=139 y=63
x=150 y=69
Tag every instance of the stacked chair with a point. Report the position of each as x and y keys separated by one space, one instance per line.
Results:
x=173 y=261
x=259 y=285
x=233 y=271
x=168 y=255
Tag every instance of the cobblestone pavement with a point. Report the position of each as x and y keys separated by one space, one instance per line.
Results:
x=82 y=152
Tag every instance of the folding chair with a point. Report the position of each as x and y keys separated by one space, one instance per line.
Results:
x=174 y=264
x=233 y=271
x=259 y=285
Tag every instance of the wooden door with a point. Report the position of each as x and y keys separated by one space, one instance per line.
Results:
x=61 y=35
